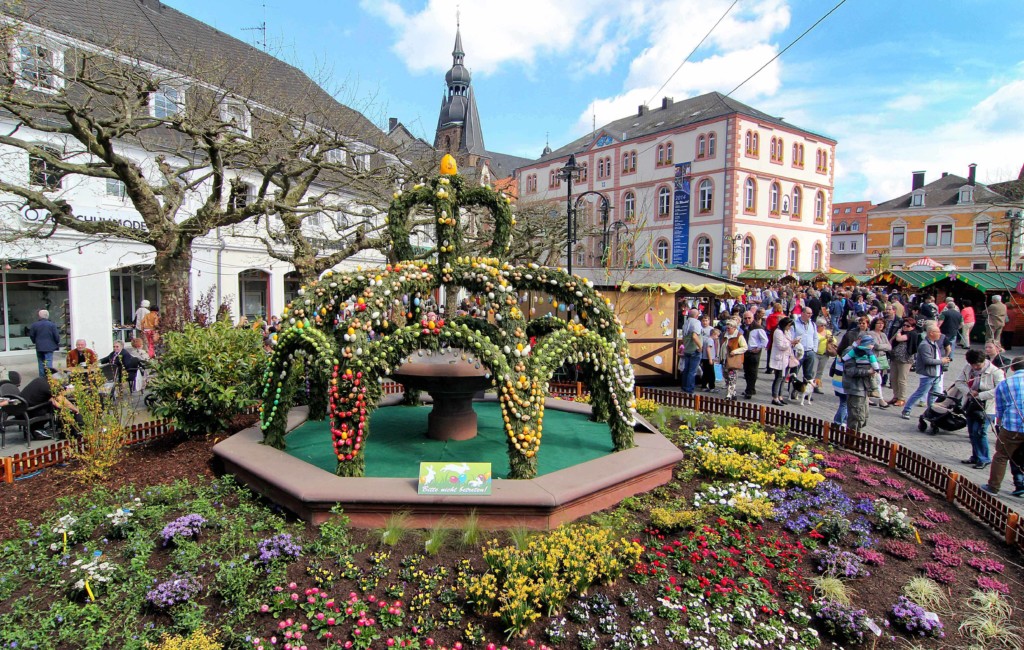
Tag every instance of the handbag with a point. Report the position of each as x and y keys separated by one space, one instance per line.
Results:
x=831 y=349
x=719 y=375
x=883 y=362
x=857 y=370
x=974 y=405
x=734 y=362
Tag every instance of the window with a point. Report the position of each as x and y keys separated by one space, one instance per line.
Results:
x=629 y=205
x=43 y=173
x=846 y=211
x=860 y=209
x=664 y=202
x=748 y=252
x=750 y=195
x=917 y=200
x=853 y=245
x=797 y=195
x=773 y=198
x=338 y=157
x=668 y=153
x=855 y=226
x=531 y=183
x=661 y=154
x=38 y=67
x=705 y=196
x=819 y=207
x=362 y=163
x=702 y=144
x=236 y=116
x=711 y=145
x=842 y=226
x=899 y=236
x=798 y=155
x=822 y=161
x=583 y=173
x=661 y=250
x=775 y=150
x=242 y=196
x=748 y=143
x=794 y=255
x=703 y=252
x=939 y=234
x=966 y=195
x=757 y=144
x=167 y=101
x=116 y=188
x=816 y=257
x=771 y=149
x=842 y=246
x=979 y=266
x=981 y=233
x=778 y=152
x=773 y=253
x=835 y=211
x=625 y=162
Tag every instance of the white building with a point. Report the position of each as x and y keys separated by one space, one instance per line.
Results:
x=92 y=284
x=694 y=187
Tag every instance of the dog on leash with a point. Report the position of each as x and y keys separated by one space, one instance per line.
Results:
x=803 y=388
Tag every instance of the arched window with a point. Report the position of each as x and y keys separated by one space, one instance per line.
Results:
x=824 y=161
x=855 y=226
x=773 y=198
x=711 y=144
x=701 y=146
x=750 y=195
x=748 y=143
x=629 y=205
x=661 y=154
x=797 y=195
x=625 y=162
x=668 y=153
x=748 y=252
x=705 y=196
x=664 y=202
x=583 y=172
x=773 y=254
x=778 y=151
x=757 y=143
x=794 y=255
x=819 y=206
x=703 y=252
x=771 y=149
x=842 y=226
x=816 y=257
x=661 y=250
x=796 y=153
x=632 y=161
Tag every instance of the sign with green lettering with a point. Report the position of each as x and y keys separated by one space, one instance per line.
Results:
x=455 y=478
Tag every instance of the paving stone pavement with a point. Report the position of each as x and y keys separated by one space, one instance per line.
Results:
x=947 y=448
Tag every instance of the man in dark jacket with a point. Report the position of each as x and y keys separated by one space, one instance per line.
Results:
x=46 y=337
x=950 y=322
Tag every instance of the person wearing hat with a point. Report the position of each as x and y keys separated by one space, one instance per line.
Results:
x=929 y=360
x=904 y=347
x=141 y=313
x=860 y=380
x=731 y=352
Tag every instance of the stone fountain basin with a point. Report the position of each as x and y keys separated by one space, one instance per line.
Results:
x=451 y=383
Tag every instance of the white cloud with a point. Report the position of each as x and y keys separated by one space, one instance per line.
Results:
x=911 y=102
x=1002 y=110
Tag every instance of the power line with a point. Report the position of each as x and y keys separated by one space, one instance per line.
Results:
x=695 y=48
x=791 y=44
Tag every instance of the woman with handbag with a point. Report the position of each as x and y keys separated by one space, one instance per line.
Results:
x=882 y=349
x=977 y=382
x=731 y=354
x=904 y=347
x=781 y=358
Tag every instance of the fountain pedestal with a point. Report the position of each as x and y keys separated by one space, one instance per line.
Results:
x=451 y=383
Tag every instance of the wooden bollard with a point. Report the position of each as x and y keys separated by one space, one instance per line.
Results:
x=826 y=432
x=1011 y=528
x=579 y=389
x=8 y=469
x=696 y=403
x=951 y=486
x=764 y=412
x=637 y=389
x=894 y=448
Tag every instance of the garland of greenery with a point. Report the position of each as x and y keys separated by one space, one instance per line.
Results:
x=276 y=397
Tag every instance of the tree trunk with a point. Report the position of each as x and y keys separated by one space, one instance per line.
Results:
x=173 y=268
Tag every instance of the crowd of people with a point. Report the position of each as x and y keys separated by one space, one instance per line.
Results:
x=868 y=342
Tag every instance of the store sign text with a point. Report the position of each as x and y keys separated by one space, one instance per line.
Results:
x=132 y=222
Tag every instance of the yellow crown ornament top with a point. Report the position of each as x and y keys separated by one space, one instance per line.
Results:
x=448 y=166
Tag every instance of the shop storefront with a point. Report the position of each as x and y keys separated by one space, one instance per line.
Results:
x=253 y=293
x=129 y=286
x=28 y=287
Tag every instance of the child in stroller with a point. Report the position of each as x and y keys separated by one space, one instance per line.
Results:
x=945 y=414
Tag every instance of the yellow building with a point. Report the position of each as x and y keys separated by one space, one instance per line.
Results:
x=952 y=221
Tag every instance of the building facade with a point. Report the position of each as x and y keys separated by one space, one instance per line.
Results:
x=954 y=221
x=850 y=236
x=92 y=284
x=692 y=185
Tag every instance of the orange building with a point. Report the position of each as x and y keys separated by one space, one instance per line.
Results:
x=952 y=220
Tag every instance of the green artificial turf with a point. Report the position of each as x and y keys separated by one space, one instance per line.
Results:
x=398 y=443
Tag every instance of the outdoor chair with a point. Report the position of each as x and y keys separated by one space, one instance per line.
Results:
x=19 y=414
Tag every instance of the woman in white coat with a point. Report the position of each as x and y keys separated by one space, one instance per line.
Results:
x=977 y=383
x=781 y=356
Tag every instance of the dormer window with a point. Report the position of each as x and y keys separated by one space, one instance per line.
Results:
x=167 y=101
x=966 y=195
x=917 y=200
x=39 y=66
x=236 y=116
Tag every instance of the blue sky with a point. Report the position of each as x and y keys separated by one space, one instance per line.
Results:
x=903 y=85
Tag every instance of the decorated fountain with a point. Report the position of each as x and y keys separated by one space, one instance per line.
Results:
x=350 y=332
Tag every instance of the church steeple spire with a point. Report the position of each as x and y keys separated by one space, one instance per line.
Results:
x=457 y=54
x=458 y=124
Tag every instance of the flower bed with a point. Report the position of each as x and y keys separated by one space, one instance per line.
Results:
x=797 y=550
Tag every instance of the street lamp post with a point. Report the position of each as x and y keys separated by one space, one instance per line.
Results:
x=569 y=173
x=1014 y=217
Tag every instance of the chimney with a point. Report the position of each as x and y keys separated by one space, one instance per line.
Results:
x=642 y=110
x=945 y=174
x=970 y=173
x=666 y=102
x=918 y=181
x=392 y=123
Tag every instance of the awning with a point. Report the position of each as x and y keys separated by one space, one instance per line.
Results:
x=982 y=280
x=909 y=279
x=710 y=289
x=924 y=261
x=761 y=274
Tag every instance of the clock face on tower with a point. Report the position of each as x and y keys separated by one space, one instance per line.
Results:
x=604 y=141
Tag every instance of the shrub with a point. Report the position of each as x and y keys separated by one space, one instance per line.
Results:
x=206 y=376
x=102 y=423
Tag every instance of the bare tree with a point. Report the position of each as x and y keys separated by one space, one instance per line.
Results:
x=227 y=137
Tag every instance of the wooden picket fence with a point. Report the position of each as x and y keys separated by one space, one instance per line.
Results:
x=955 y=488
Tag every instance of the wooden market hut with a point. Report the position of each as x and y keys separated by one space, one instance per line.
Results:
x=760 y=277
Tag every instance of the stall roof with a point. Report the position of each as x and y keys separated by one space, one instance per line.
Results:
x=916 y=279
x=984 y=280
x=761 y=274
x=689 y=282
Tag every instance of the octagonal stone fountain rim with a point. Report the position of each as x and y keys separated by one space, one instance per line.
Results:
x=540 y=503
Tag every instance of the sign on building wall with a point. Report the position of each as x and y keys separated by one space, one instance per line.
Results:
x=681 y=215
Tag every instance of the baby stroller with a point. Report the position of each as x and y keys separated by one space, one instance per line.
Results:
x=945 y=414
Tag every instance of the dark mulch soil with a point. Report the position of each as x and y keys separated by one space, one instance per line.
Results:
x=163 y=461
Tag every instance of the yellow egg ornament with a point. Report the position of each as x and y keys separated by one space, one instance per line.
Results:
x=448 y=165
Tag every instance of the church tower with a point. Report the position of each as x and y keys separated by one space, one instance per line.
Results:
x=458 y=125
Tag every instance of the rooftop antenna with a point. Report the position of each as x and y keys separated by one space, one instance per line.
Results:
x=261 y=28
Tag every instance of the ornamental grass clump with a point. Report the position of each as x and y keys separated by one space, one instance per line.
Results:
x=991 y=623
x=910 y=617
x=179 y=589
x=185 y=527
